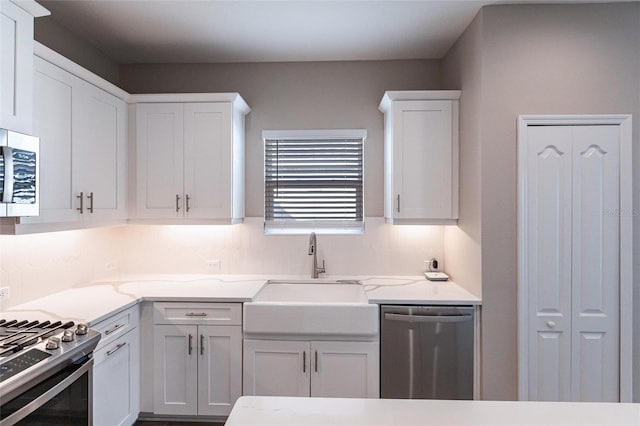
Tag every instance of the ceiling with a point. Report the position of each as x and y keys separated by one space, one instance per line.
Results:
x=178 y=31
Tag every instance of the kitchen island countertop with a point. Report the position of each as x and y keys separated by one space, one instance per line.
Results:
x=291 y=411
x=98 y=300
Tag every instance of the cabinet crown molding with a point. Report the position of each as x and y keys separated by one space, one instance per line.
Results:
x=416 y=95
x=238 y=102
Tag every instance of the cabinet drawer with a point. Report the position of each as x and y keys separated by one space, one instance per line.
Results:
x=197 y=313
x=116 y=326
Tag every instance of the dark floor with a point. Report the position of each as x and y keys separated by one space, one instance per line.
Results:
x=163 y=423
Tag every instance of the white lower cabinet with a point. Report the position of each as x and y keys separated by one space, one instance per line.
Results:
x=197 y=368
x=116 y=372
x=311 y=368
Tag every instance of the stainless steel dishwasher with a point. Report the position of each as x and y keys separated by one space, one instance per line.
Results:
x=426 y=352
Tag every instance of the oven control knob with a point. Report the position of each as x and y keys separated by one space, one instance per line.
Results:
x=68 y=336
x=53 y=343
x=81 y=329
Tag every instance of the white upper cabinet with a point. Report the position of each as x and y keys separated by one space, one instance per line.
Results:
x=190 y=158
x=82 y=131
x=420 y=156
x=16 y=65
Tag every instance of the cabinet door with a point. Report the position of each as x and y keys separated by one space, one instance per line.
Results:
x=219 y=369
x=159 y=139
x=276 y=368
x=54 y=100
x=207 y=160
x=116 y=382
x=175 y=369
x=345 y=369
x=423 y=160
x=16 y=70
x=99 y=157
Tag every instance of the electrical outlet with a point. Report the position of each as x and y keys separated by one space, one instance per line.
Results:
x=4 y=294
x=112 y=265
x=213 y=265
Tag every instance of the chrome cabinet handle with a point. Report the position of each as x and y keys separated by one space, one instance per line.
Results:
x=202 y=344
x=190 y=344
x=116 y=327
x=316 y=362
x=551 y=324
x=116 y=349
x=304 y=361
x=188 y=199
x=81 y=198
x=90 y=197
x=398 y=203
x=177 y=203
x=195 y=314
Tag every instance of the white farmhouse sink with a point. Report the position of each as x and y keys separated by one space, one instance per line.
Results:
x=311 y=308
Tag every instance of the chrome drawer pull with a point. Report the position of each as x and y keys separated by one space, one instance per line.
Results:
x=108 y=332
x=195 y=314
x=81 y=198
x=304 y=361
x=190 y=343
x=202 y=344
x=117 y=348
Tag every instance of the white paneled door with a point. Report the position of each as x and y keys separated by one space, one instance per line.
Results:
x=570 y=262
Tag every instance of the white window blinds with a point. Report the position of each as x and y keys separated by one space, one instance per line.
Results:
x=314 y=180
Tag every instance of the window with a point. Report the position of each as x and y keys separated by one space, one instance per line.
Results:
x=313 y=181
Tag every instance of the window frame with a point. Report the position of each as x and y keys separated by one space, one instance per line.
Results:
x=317 y=226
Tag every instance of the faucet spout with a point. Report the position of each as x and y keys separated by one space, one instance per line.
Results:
x=315 y=270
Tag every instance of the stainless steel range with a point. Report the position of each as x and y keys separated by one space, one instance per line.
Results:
x=46 y=372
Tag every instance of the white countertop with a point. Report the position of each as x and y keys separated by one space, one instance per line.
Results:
x=289 y=411
x=96 y=301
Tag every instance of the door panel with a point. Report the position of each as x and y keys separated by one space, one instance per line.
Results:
x=549 y=274
x=219 y=369
x=423 y=181
x=175 y=390
x=345 y=369
x=596 y=269
x=276 y=368
x=207 y=168
x=160 y=160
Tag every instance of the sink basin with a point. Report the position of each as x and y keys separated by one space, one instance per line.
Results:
x=312 y=292
x=311 y=308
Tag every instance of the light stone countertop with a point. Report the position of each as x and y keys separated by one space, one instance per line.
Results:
x=93 y=302
x=291 y=411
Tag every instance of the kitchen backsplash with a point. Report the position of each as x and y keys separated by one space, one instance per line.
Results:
x=37 y=265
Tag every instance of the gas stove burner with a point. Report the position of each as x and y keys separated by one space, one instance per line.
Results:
x=16 y=335
x=32 y=351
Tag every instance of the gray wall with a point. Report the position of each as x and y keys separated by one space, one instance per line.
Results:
x=305 y=95
x=56 y=37
x=542 y=59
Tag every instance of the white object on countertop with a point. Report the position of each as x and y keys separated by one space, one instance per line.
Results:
x=290 y=411
x=436 y=276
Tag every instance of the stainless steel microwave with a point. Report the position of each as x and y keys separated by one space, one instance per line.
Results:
x=19 y=168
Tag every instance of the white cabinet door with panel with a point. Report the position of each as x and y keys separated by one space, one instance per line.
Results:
x=276 y=368
x=317 y=368
x=345 y=369
x=421 y=156
x=116 y=372
x=570 y=239
x=16 y=64
x=175 y=369
x=197 y=358
x=82 y=131
x=190 y=159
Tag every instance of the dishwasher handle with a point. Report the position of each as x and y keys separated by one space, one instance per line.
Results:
x=428 y=318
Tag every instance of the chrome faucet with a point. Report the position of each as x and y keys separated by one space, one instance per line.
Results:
x=312 y=252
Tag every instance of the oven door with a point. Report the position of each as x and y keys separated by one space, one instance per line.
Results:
x=63 y=399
